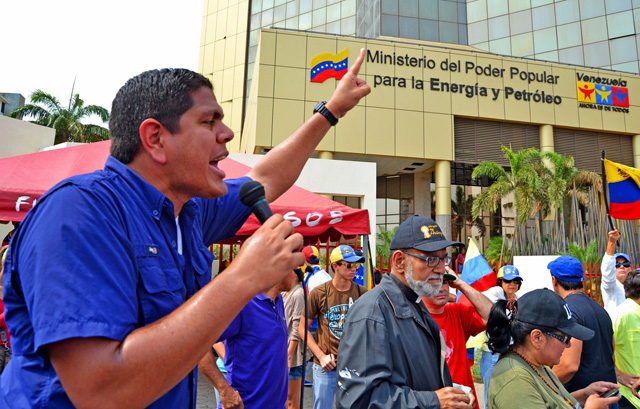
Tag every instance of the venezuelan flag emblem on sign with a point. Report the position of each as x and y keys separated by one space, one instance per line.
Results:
x=327 y=65
x=602 y=94
x=624 y=190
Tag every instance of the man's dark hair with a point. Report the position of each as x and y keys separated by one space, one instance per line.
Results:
x=632 y=285
x=163 y=95
x=569 y=285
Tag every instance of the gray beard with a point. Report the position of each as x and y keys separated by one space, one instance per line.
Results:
x=422 y=288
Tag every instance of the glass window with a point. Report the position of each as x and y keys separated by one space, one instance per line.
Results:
x=318 y=4
x=591 y=8
x=572 y=55
x=498 y=27
x=279 y=2
x=348 y=26
x=381 y=207
x=462 y=34
x=520 y=22
x=428 y=9
x=333 y=27
x=292 y=9
x=280 y=13
x=545 y=40
x=448 y=32
x=462 y=13
x=497 y=8
x=292 y=23
x=519 y=5
x=482 y=46
x=256 y=6
x=626 y=67
x=389 y=6
x=389 y=25
x=543 y=17
x=409 y=28
x=614 y=6
x=567 y=12
x=255 y=21
x=594 y=30
x=448 y=11
x=597 y=54
x=522 y=45
x=333 y=12
x=620 y=24
x=348 y=8
x=537 y=3
x=319 y=17
x=305 y=21
x=623 y=50
x=267 y=17
x=502 y=46
x=550 y=56
x=408 y=8
x=267 y=4
x=476 y=10
x=636 y=3
x=329 y=2
x=305 y=6
x=393 y=206
x=429 y=30
x=254 y=37
x=569 y=35
x=636 y=19
x=478 y=32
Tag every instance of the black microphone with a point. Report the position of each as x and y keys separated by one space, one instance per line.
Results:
x=252 y=195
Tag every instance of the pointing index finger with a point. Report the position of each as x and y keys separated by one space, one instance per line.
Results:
x=355 y=68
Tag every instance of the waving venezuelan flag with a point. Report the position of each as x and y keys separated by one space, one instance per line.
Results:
x=327 y=65
x=624 y=190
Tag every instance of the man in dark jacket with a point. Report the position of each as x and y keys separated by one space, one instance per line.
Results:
x=391 y=354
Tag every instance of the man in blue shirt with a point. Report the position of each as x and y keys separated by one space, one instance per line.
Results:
x=255 y=354
x=107 y=280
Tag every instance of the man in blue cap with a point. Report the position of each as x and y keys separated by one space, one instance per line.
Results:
x=586 y=361
x=615 y=267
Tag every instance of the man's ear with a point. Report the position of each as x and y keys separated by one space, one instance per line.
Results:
x=152 y=133
x=399 y=259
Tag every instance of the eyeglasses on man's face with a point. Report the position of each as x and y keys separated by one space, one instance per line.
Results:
x=562 y=338
x=623 y=264
x=349 y=265
x=432 y=261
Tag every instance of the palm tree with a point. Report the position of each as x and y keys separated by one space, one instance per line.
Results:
x=47 y=111
x=523 y=180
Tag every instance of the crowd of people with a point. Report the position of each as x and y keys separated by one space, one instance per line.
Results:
x=126 y=316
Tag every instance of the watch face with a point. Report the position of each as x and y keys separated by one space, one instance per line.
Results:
x=318 y=106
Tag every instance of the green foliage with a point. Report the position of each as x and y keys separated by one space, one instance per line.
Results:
x=46 y=110
x=383 y=243
x=494 y=250
x=585 y=255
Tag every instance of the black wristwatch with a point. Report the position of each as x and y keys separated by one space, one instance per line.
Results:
x=324 y=111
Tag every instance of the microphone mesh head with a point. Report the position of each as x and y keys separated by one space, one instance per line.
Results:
x=251 y=192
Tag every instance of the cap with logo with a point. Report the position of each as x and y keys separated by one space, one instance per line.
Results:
x=420 y=233
x=624 y=256
x=567 y=268
x=346 y=253
x=311 y=254
x=509 y=272
x=546 y=308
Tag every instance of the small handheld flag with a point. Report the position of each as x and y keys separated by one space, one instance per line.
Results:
x=624 y=190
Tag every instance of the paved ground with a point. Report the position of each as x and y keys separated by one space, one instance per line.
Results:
x=207 y=398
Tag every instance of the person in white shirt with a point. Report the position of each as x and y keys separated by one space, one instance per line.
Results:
x=315 y=275
x=615 y=267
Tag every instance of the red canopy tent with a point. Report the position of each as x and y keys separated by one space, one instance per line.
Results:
x=24 y=178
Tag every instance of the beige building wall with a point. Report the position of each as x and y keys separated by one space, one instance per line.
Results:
x=223 y=45
x=20 y=137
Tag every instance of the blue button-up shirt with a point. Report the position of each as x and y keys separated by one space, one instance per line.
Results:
x=97 y=257
x=256 y=353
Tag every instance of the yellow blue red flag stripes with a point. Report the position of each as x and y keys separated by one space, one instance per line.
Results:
x=327 y=65
x=624 y=190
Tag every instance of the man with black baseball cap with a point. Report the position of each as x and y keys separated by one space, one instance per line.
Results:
x=392 y=353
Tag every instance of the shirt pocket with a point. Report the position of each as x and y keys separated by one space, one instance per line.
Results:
x=202 y=266
x=160 y=290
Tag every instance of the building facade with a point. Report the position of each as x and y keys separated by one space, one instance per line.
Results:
x=436 y=109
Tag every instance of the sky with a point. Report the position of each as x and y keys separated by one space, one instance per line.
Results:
x=45 y=44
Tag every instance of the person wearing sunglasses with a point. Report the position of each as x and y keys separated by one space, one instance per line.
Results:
x=614 y=268
x=330 y=302
x=531 y=335
x=586 y=361
x=392 y=354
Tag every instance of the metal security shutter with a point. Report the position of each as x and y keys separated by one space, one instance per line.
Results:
x=586 y=147
x=477 y=141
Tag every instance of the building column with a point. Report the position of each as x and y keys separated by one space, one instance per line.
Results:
x=546 y=145
x=422 y=193
x=329 y=156
x=443 y=197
